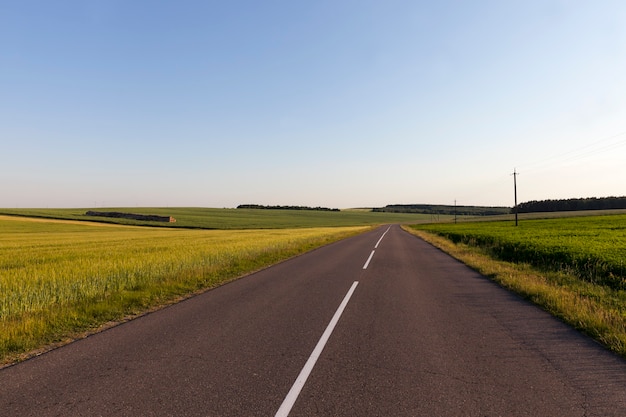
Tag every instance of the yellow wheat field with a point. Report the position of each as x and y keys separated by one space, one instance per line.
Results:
x=50 y=271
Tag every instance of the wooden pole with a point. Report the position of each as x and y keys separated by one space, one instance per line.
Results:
x=515 y=190
x=454 y=211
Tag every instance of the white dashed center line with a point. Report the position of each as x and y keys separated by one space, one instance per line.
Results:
x=294 y=392
x=375 y=247
x=368 y=260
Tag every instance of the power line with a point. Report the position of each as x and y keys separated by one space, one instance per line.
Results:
x=582 y=152
x=597 y=151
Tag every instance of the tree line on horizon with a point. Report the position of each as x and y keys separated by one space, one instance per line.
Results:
x=573 y=204
x=443 y=209
x=262 y=207
x=534 y=206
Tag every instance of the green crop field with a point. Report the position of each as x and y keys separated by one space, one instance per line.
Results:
x=593 y=248
x=574 y=267
x=59 y=278
x=212 y=218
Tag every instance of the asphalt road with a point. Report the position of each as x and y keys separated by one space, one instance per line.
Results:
x=415 y=333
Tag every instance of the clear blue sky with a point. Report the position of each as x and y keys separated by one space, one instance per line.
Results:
x=321 y=103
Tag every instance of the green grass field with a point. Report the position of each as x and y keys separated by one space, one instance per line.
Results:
x=212 y=218
x=59 y=278
x=574 y=267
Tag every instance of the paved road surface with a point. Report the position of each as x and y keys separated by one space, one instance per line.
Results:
x=420 y=335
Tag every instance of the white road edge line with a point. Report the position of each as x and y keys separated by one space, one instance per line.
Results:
x=368 y=260
x=381 y=238
x=294 y=392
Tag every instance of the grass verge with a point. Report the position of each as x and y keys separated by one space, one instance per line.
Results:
x=596 y=310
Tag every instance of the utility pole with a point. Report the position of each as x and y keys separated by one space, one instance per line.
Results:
x=515 y=173
x=454 y=211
